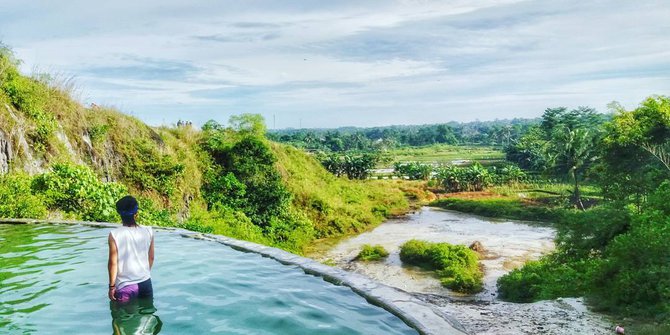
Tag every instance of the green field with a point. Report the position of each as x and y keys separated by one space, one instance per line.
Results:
x=442 y=153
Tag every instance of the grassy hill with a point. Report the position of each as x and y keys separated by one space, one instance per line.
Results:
x=59 y=158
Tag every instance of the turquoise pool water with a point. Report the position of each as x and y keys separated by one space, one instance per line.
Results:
x=53 y=280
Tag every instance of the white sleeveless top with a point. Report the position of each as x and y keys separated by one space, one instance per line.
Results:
x=132 y=244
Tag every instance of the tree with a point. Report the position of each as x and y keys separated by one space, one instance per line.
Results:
x=647 y=127
x=445 y=134
x=573 y=151
x=529 y=151
x=564 y=144
x=248 y=124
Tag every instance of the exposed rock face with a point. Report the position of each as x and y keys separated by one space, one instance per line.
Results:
x=62 y=137
x=6 y=153
x=22 y=152
x=107 y=161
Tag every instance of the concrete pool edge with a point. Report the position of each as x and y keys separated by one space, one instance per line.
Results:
x=414 y=312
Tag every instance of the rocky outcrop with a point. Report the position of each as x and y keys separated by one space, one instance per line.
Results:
x=62 y=137
x=6 y=152
x=22 y=152
x=477 y=247
x=108 y=162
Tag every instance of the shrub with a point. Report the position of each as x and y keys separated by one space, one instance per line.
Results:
x=17 y=199
x=353 y=166
x=225 y=221
x=30 y=97
x=372 y=253
x=223 y=189
x=585 y=233
x=98 y=133
x=415 y=252
x=508 y=174
x=291 y=231
x=547 y=279
x=476 y=177
x=244 y=177
x=455 y=265
x=76 y=189
x=152 y=215
x=458 y=179
x=662 y=329
x=150 y=170
x=413 y=170
x=635 y=276
x=617 y=259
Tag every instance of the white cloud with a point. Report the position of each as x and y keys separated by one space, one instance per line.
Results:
x=375 y=62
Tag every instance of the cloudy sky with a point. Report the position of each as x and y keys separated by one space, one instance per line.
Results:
x=335 y=63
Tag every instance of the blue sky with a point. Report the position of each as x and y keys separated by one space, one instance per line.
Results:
x=338 y=63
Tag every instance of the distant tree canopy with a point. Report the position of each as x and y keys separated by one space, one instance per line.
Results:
x=495 y=133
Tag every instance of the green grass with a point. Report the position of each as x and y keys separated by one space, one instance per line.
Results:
x=649 y=329
x=508 y=208
x=442 y=153
x=336 y=206
x=544 y=202
x=372 y=253
x=533 y=190
x=455 y=265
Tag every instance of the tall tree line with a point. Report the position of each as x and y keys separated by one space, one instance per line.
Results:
x=493 y=133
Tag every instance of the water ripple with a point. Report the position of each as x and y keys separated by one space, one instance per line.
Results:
x=54 y=280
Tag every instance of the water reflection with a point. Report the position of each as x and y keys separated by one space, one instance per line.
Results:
x=135 y=317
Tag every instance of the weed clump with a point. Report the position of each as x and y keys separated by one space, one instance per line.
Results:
x=372 y=253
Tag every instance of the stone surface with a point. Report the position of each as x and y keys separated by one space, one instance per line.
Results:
x=6 y=153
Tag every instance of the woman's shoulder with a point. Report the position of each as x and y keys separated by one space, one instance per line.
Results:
x=149 y=229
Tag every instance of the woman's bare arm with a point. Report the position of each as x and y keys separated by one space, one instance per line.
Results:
x=151 y=253
x=112 y=265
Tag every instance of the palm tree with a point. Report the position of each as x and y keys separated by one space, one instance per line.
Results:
x=572 y=151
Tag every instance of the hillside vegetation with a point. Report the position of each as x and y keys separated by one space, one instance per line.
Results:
x=59 y=158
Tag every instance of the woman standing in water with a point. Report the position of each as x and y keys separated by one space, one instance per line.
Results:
x=131 y=255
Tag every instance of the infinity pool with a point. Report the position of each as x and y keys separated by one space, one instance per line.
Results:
x=53 y=280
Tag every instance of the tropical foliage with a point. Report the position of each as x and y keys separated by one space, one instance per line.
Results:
x=353 y=166
x=616 y=253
